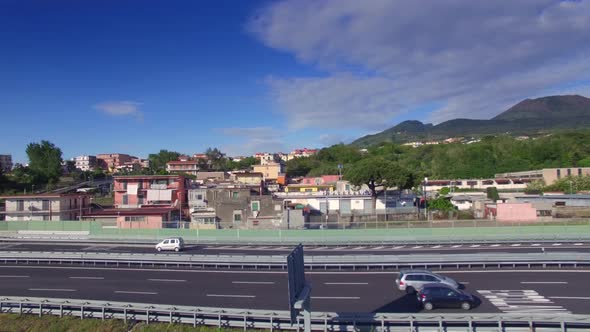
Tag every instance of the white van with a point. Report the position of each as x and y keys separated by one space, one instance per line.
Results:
x=173 y=243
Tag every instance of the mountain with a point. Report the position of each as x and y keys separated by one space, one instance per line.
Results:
x=527 y=117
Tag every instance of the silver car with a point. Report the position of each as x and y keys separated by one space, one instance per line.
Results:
x=173 y=243
x=412 y=281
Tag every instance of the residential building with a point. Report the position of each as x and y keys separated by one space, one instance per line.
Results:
x=202 y=216
x=266 y=158
x=298 y=153
x=248 y=178
x=6 y=163
x=49 y=207
x=324 y=179
x=136 y=218
x=548 y=175
x=111 y=161
x=137 y=191
x=310 y=188
x=270 y=171
x=212 y=176
x=85 y=163
x=183 y=166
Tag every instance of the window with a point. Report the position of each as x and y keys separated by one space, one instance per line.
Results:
x=125 y=199
x=237 y=216
x=20 y=205
x=45 y=217
x=569 y=172
x=255 y=206
x=45 y=205
x=124 y=183
x=579 y=172
x=235 y=195
x=140 y=200
x=135 y=218
x=200 y=197
x=139 y=185
x=559 y=174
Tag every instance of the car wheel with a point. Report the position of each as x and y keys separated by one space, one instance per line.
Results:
x=159 y=248
x=410 y=290
x=177 y=249
x=428 y=306
x=466 y=306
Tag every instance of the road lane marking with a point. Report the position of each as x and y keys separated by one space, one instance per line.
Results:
x=543 y=282
x=9 y=276
x=52 y=289
x=168 y=280
x=254 y=282
x=89 y=278
x=229 y=295
x=556 y=244
x=570 y=297
x=520 y=301
x=515 y=245
x=336 y=297
x=132 y=292
x=436 y=247
x=495 y=245
x=346 y=283
x=377 y=248
x=398 y=247
x=536 y=244
x=457 y=246
x=474 y=245
x=578 y=244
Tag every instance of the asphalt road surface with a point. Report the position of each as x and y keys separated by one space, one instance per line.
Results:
x=401 y=249
x=499 y=291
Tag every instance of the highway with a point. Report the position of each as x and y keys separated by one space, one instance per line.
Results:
x=499 y=291
x=401 y=249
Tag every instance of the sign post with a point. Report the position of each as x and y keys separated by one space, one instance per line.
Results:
x=299 y=289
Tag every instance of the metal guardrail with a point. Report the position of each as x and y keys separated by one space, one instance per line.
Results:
x=352 y=262
x=272 y=319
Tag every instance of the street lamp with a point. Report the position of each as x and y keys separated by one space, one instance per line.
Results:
x=426 y=198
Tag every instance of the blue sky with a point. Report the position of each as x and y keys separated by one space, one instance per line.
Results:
x=108 y=76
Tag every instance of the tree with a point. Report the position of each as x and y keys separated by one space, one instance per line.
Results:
x=376 y=172
x=440 y=204
x=159 y=160
x=216 y=160
x=492 y=193
x=44 y=162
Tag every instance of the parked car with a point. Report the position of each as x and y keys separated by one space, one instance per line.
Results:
x=413 y=280
x=443 y=296
x=173 y=243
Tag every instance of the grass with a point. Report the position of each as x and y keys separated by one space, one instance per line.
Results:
x=30 y=323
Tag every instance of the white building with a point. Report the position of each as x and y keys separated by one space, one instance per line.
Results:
x=85 y=163
x=5 y=162
x=46 y=207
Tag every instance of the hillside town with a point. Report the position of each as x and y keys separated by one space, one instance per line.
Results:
x=263 y=196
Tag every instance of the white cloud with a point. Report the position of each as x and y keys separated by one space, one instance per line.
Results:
x=121 y=108
x=385 y=57
x=252 y=140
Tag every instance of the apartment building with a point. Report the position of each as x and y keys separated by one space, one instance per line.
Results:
x=136 y=191
x=6 y=163
x=183 y=166
x=85 y=163
x=111 y=161
x=48 y=207
x=270 y=171
x=548 y=175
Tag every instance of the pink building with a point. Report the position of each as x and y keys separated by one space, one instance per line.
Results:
x=151 y=190
x=510 y=212
x=111 y=161
x=146 y=218
x=324 y=179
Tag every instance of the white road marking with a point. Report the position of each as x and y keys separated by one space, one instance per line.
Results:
x=398 y=247
x=556 y=244
x=515 y=245
x=570 y=297
x=436 y=247
x=132 y=292
x=52 y=289
x=578 y=244
x=474 y=245
x=254 y=282
x=335 y=297
x=495 y=245
x=457 y=246
x=358 y=248
x=346 y=283
x=377 y=248
x=535 y=244
x=168 y=280
x=417 y=247
x=543 y=282
x=89 y=278
x=519 y=300
x=9 y=276
x=229 y=295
